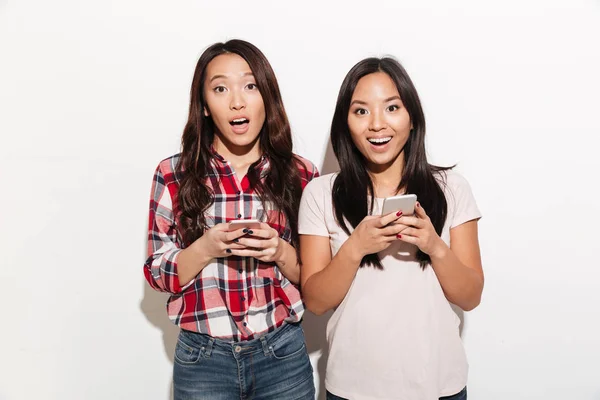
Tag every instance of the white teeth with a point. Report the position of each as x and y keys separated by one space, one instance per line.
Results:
x=239 y=120
x=380 y=140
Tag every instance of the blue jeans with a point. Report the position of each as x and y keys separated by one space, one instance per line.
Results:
x=274 y=366
x=462 y=395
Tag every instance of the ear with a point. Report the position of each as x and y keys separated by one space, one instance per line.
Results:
x=206 y=112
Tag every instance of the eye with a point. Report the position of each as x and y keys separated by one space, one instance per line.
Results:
x=360 y=111
x=251 y=86
x=393 y=108
x=220 y=89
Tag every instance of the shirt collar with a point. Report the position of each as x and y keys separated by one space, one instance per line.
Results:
x=264 y=160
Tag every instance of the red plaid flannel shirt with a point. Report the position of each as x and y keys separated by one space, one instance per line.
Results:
x=232 y=298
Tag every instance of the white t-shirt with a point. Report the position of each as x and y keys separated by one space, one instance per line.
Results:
x=395 y=335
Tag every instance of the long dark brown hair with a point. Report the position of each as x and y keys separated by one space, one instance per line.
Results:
x=281 y=184
x=353 y=181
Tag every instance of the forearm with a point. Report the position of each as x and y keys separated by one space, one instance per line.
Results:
x=461 y=285
x=288 y=263
x=327 y=288
x=191 y=261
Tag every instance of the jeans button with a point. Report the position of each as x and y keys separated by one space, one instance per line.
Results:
x=238 y=349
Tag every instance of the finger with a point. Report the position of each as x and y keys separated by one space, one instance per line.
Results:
x=230 y=236
x=221 y=227
x=393 y=229
x=266 y=227
x=389 y=218
x=413 y=232
x=408 y=239
x=247 y=253
x=231 y=247
x=412 y=221
x=256 y=243
x=234 y=245
x=261 y=233
x=419 y=211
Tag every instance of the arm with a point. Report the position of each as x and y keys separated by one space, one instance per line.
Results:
x=160 y=268
x=325 y=281
x=214 y=243
x=288 y=263
x=192 y=260
x=272 y=248
x=264 y=244
x=458 y=267
x=169 y=268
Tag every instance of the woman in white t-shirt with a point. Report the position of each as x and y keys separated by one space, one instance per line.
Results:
x=391 y=279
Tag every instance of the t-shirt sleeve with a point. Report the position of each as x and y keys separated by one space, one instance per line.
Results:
x=311 y=217
x=462 y=200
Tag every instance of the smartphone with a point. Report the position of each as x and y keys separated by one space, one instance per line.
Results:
x=244 y=223
x=404 y=203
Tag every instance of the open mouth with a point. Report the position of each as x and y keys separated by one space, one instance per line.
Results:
x=239 y=121
x=380 y=141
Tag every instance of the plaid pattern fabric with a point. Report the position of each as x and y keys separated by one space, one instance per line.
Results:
x=233 y=298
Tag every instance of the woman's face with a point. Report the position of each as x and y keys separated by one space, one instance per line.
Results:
x=234 y=102
x=379 y=124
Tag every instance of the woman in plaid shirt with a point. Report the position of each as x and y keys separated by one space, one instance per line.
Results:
x=234 y=291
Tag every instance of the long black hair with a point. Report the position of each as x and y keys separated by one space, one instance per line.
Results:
x=354 y=182
x=281 y=184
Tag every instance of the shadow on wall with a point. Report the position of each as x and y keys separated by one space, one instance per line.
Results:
x=153 y=306
x=316 y=342
x=315 y=326
x=461 y=315
x=330 y=163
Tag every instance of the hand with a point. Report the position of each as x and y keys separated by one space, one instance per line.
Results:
x=218 y=241
x=376 y=233
x=421 y=233
x=263 y=244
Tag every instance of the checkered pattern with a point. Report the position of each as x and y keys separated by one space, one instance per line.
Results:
x=233 y=298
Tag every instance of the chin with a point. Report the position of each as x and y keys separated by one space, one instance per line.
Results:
x=242 y=141
x=381 y=161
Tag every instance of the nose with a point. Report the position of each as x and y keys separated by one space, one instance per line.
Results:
x=377 y=121
x=237 y=100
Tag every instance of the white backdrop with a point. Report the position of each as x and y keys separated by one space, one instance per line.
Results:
x=94 y=94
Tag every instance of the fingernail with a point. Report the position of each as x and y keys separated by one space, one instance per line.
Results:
x=399 y=236
x=250 y=231
x=236 y=240
x=399 y=213
x=245 y=230
x=228 y=251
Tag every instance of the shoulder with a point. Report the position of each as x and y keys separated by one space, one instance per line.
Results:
x=451 y=180
x=458 y=193
x=167 y=168
x=322 y=184
x=308 y=170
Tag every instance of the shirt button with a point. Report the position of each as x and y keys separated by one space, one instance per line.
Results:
x=238 y=349
x=239 y=216
x=242 y=298
x=240 y=271
x=245 y=324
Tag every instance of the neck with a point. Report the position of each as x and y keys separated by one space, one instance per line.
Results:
x=386 y=177
x=240 y=157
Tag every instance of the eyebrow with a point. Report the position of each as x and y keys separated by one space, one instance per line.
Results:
x=221 y=76
x=395 y=97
